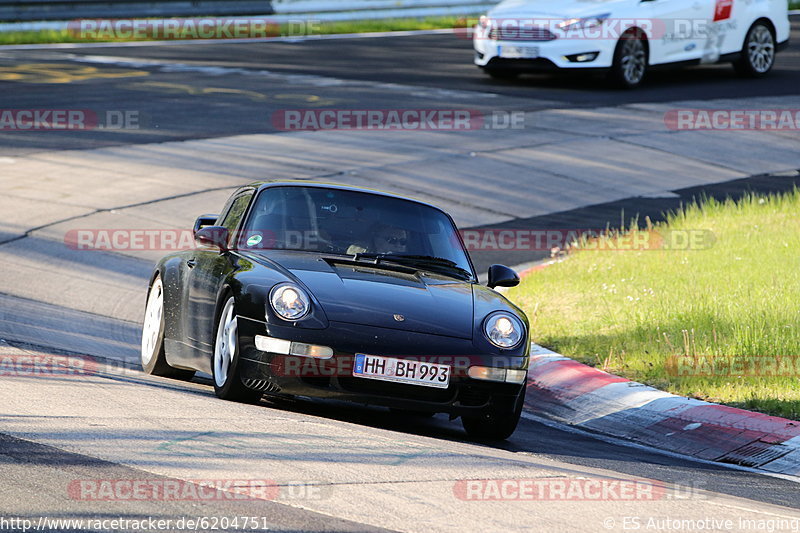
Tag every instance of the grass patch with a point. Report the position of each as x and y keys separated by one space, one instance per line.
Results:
x=321 y=28
x=629 y=312
x=401 y=24
x=794 y=4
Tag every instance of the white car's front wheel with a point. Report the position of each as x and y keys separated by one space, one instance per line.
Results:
x=758 y=51
x=630 y=60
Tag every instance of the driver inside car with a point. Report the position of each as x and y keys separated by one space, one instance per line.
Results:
x=385 y=239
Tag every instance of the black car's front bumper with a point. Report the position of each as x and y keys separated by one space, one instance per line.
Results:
x=332 y=378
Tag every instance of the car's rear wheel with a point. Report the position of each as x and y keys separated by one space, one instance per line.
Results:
x=154 y=360
x=498 y=424
x=630 y=60
x=758 y=52
x=225 y=365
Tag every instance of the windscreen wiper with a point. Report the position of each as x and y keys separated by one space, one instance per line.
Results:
x=351 y=260
x=419 y=260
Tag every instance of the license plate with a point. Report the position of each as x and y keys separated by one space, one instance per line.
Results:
x=518 y=52
x=401 y=371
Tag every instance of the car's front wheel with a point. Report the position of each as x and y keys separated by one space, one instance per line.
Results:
x=225 y=366
x=630 y=60
x=758 y=52
x=498 y=424
x=153 y=356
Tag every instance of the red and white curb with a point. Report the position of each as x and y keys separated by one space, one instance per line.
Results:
x=562 y=389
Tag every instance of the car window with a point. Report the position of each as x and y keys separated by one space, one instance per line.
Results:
x=237 y=209
x=233 y=216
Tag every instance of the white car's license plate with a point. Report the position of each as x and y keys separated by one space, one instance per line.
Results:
x=518 y=52
x=401 y=371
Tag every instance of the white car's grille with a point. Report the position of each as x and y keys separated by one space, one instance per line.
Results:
x=514 y=33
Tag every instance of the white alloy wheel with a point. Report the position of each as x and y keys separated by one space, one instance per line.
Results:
x=225 y=346
x=153 y=323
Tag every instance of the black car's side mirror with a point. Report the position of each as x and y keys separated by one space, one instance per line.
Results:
x=502 y=276
x=213 y=236
x=203 y=221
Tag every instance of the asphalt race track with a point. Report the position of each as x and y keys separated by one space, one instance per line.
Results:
x=211 y=90
x=204 y=123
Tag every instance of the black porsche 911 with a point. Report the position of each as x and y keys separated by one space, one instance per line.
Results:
x=329 y=291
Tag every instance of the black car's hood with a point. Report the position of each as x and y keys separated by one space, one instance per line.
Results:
x=369 y=295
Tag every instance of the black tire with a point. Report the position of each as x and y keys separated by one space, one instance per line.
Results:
x=758 y=52
x=501 y=74
x=153 y=355
x=630 y=64
x=497 y=425
x=228 y=385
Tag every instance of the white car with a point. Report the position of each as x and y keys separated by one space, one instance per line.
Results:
x=627 y=37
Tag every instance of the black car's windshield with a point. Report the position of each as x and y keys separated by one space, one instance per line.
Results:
x=316 y=219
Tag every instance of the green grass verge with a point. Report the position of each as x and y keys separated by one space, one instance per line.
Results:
x=628 y=312
x=794 y=4
x=323 y=28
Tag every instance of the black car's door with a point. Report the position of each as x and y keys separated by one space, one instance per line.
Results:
x=207 y=269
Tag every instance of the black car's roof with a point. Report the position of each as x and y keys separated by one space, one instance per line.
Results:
x=324 y=185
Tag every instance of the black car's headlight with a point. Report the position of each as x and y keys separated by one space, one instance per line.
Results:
x=503 y=329
x=289 y=301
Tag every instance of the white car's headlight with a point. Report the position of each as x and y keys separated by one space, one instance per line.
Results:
x=584 y=22
x=289 y=301
x=483 y=29
x=503 y=329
